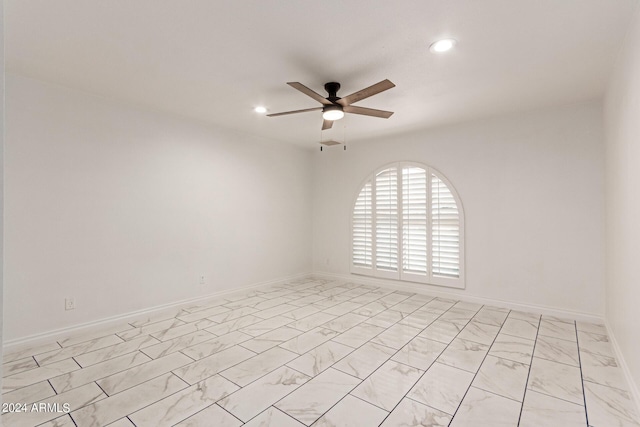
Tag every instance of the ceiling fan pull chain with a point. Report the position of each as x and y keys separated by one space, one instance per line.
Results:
x=344 y=134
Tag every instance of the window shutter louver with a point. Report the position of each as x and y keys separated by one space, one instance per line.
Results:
x=363 y=228
x=445 y=231
x=386 y=220
x=408 y=224
x=414 y=220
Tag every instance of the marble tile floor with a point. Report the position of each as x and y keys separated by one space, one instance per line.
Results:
x=322 y=353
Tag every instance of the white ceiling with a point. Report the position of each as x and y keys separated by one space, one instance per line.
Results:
x=216 y=60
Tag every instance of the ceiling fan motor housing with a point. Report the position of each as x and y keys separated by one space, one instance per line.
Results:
x=332 y=89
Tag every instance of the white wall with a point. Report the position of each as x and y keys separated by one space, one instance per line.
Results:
x=532 y=189
x=1 y=182
x=622 y=126
x=123 y=209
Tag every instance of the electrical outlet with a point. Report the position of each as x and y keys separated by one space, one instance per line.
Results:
x=202 y=281
x=69 y=303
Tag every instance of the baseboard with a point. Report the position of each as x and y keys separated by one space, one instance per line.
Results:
x=633 y=387
x=442 y=292
x=107 y=322
x=104 y=323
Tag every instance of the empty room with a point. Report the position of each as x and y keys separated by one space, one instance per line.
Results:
x=352 y=213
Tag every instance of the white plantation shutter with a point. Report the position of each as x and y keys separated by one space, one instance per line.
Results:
x=445 y=230
x=407 y=224
x=363 y=228
x=414 y=220
x=386 y=220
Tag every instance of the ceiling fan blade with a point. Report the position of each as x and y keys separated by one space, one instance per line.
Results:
x=294 y=112
x=366 y=92
x=326 y=124
x=302 y=88
x=368 y=111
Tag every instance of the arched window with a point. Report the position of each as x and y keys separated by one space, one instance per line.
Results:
x=408 y=224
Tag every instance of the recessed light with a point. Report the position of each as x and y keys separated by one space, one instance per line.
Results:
x=260 y=110
x=443 y=45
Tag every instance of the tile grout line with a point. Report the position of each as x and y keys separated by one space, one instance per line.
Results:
x=31 y=355
x=188 y=385
x=428 y=406
x=52 y=387
x=556 y=338
x=556 y=398
x=253 y=357
x=103 y=390
x=232 y=382
x=310 y=378
x=364 y=321
x=262 y=412
x=329 y=289
x=479 y=367
x=184 y=323
x=498 y=394
x=180 y=351
x=606 y=385
x=584 y=394
x=432 y=363
x=156 y=401
x=143 y=407
x=369 y=403
x=217 y=373
x=283 y=412
x=135 y=385
x=349 y=393
x=24 y=371
x=533 y=350
x=292 y=391
x=101 y=378
x=73 y=358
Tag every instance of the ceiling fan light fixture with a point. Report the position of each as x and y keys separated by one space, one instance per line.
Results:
x=260 y=109
x=443 y=45
x=332 y=112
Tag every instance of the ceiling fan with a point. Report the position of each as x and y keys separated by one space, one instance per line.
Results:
x=334 y=107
